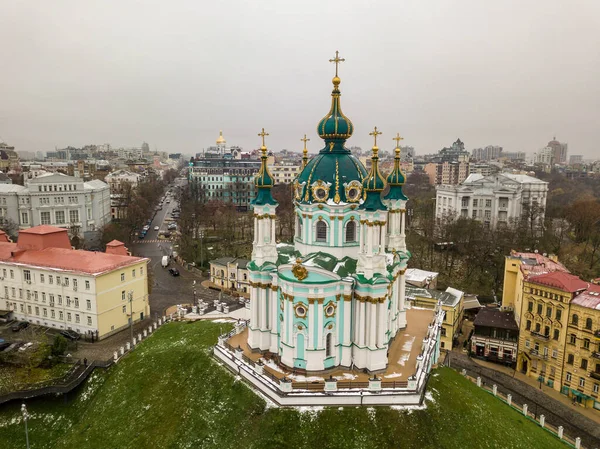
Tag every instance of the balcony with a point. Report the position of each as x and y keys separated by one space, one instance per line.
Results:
x=597 y=333
x=540 y=336
x=595 y=375
x=536 y=353
x=596 y=355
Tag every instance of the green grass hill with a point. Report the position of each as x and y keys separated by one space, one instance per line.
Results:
x=171 y=393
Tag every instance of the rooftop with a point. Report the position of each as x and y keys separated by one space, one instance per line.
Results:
x=590 y=298
x=496 y=318
x=534 y=263
x=563 y=281
x=48 y=247
x=417 y=275
x=448 y=299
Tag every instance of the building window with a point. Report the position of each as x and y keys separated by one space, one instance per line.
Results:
x=572 y=339
x=540 y=308
x=60 y=315
x=77 y=318
x=558 y=314
x=538 y=327
x=570 y=359
x=584 y=363
x=351 y=231
x=42 y=278
x=50 y=279
x=586 y=343
x=554 y=354
x=488 y=203
x=321 y=231
x=27 y=275
x=59 y=300
x=549 y=312
x=45 y=218
x=122 y=277
x=87 y=285
x=141 y=271
x=133 y=273
x=74 y=216
x=556 y=334
x=581 y=382
x=89 y=304
x=123 y=295
x=68 y=298
x=575 y=320
x=527 y=344
x=530 y=306
x=59 y=216
x=24 y=218
x=74 y=284
x=588 y=324
x=528 y=326
x=68 y=316
x=89 y=320
x=568 y=377
x=596 y=388
x=77 y=303
x=124 y=309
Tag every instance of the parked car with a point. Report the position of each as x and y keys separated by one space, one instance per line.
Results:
x=141 y=236
x=4 y=345
x=167 y=234
x=174 y=271
x=25 y=346
x=156 y=228
x=20 y=325
x=70 y=335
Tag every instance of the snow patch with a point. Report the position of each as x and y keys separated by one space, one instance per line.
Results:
x=407 y=346
x=393 y=375
x=403 y=359
x=346 y=376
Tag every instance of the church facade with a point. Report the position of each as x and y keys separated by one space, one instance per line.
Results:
x=336 y=296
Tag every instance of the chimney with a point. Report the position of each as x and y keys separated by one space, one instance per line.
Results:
x=116 y=247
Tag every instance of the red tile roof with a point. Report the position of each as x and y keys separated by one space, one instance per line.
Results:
x=88 y=262
x=49 y=247
x=564 y=281
x=535 y=263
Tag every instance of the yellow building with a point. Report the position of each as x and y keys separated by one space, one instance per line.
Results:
x=46 y=282
x=452 y=304
x=559 y=326
x=230 y=273
x=582 y=362
x=518 y=266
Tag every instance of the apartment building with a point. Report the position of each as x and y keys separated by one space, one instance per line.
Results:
x=285 y=173
x=46 y=282
x=495 y=336
x=58 y=200
x=495 y=199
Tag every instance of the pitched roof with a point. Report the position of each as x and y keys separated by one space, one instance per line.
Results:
x=589 y=298
x=496 y=318
x=563 y=281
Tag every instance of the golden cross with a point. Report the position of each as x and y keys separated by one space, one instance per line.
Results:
x=336 y=60
x=375 y=133
x=304 y=140
x=398 y=139
x=263 y=134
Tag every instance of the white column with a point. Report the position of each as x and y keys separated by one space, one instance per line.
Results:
x=319 y=324
x=382 y=323
x=402 y=278
x=263 y=308
x=311 y=324
x=360 y=325
x=361 y=238
x=373 y=325
x=255 y=230
x=272 y=224
x=253 y=308
x=369 y=239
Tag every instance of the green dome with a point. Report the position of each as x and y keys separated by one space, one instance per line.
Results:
x=335 y=125
x=396 y=180
x=325 y=176
x=263 y=181
x=373 y=185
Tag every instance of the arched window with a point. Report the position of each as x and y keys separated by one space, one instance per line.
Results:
x=321 y=231
x=328 y=345
x=351 y=231
x=588 y=324
x=575 y=320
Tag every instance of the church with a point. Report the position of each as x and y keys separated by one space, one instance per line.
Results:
x=336 y=296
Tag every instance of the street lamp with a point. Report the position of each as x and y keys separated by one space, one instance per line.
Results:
x=201 y=234
x=25 y=418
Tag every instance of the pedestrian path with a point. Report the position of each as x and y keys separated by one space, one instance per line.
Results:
x=154 y=241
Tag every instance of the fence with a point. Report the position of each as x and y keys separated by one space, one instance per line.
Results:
x=558 y=431
x=77 y=374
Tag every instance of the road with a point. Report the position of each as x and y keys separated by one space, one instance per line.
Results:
x=168 y=290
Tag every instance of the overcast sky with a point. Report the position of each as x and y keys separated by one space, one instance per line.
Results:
x=172 y=73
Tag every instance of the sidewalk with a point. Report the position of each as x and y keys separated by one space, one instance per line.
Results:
x=590 y=413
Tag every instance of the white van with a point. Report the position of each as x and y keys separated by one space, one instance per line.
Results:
x=165 y=261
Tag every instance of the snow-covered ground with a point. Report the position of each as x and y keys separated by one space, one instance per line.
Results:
x=242 y=314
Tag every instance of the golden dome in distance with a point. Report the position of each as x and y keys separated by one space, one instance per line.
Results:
x=221 y=139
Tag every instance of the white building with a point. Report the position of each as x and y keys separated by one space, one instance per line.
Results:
x=493 y=199
x=46 y=282
x=57 y=199
x=285 y=173
x=544 y=156
x=119 y=183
